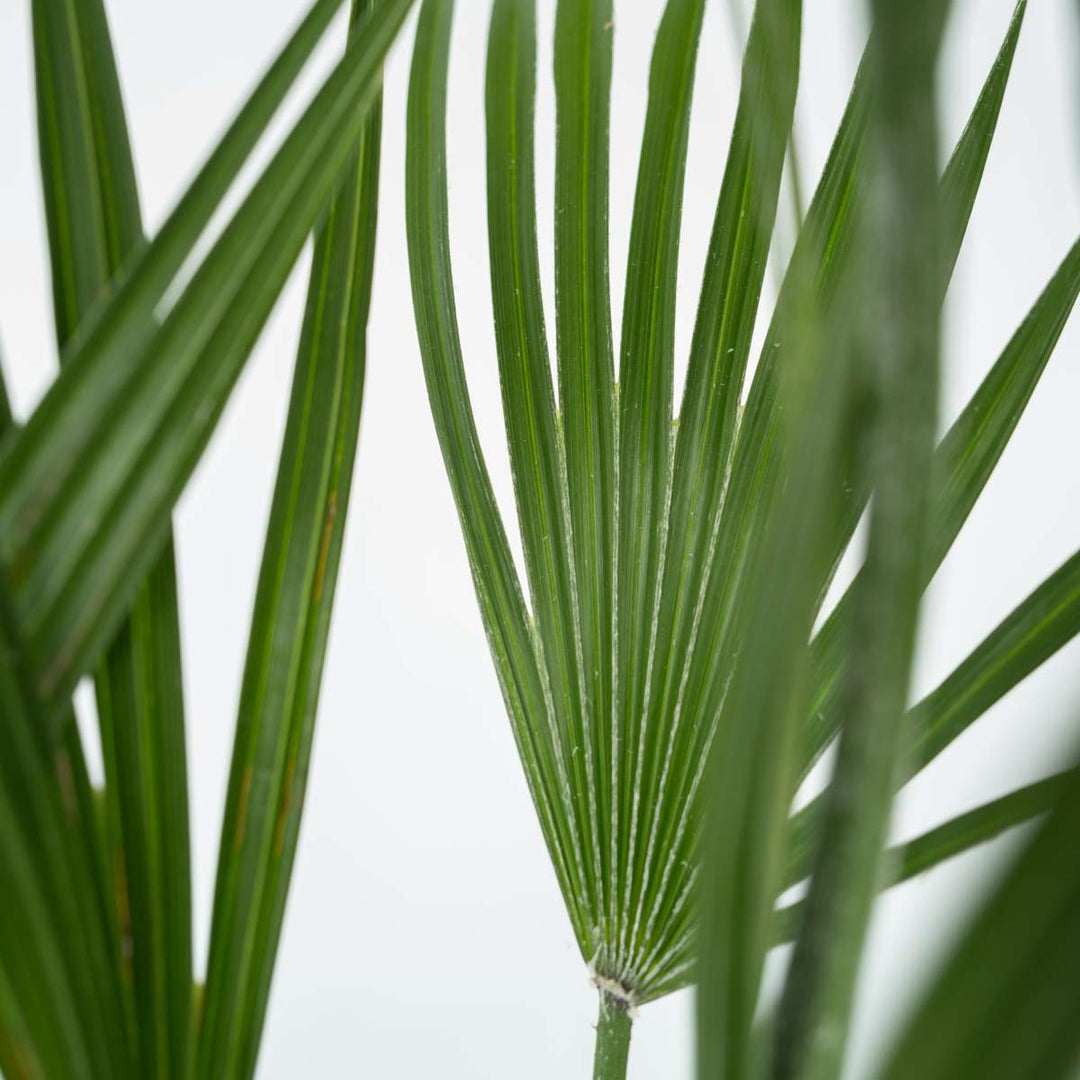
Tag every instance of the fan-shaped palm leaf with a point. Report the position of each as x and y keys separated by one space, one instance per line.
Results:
x=648 y=545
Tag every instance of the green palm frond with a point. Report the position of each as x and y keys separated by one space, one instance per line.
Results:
x=62 y=1005
x=1004 y=1005
x=1035 y=629
x=976 y=826
x=582 y=717
x=87 y=486
x=290 y=625
x=95 y=225
x=902 y=339
x=963 y=462
x=654 y=549
x=95 y=916
x=665 y=684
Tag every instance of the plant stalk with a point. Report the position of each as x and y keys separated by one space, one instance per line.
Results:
x=612 y=1039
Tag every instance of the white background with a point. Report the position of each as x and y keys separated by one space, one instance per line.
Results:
x=425 y=935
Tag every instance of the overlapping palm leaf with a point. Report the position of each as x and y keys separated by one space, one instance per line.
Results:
x=95 y=961
x=94 y=223
x=87 y=486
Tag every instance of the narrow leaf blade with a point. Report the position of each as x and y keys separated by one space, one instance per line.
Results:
x=963 y=462
x=735 y=266
x=583 y=58
x=824 y=248
x=537 y=461
x=94 y=532
x=951 y=838
x=94 y=220
x=1005 y=1003
x=1032 y=632
x=646 y=374
x=506 y=619
x=287 y=644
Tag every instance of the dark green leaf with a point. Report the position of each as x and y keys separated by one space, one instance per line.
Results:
x=952 y=838
x=110 y=346
x=40 y=1026
x=94 y=221
x=536 y=457
x=86 y=490
x=1005 y=1004
x=514 y=647
x=734 y=269
x=646 y=367
x=902 y=338
x=62 y=1003
x=287 y=646
x=968 y=454
x=7 y=420
x=583 y=50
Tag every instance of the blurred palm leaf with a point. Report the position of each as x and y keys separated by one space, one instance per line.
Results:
x=87 y=486
x=1004 y=1004
x=975 y=826
x=61 y=1009
x=94 y=224
x=144 y=380
x=901 y=336
x=675 y=569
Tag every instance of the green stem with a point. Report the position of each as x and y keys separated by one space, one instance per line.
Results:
x=612 y=1039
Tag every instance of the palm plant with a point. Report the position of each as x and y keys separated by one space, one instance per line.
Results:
x=665 y=684
x=667 y=688
x=95 y=896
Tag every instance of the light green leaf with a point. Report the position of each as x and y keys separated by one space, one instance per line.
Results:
x=1045 y=621
x=823 y=248
x=1048 y=619
x=962 y=465
x=820 y=254
x=754 y=759
x=749 y=499
x=959 y=186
